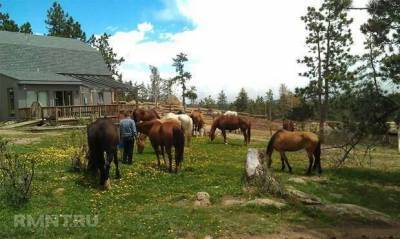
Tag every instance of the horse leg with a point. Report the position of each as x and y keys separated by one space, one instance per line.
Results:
x=286 y=161
x=155 y=147
x=117 y=173
x=310 y=162
x=163 y=154
x=245 y=136
x=169 y=153
x=223 y=132
x=104 y=171
x=283 y=163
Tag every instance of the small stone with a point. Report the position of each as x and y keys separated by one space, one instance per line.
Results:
x=202 y=199
x=58 y=192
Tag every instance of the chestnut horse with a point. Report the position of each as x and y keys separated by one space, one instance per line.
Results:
x=283 y=141
x=143 y=115
x=103 y=137
x=198 y=121
x=165 y=134
x=230 y=122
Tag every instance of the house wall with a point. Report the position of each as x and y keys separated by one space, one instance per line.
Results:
x=51 y=92
x=5 y=84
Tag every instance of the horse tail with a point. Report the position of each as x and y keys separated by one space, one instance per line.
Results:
x=317 y=154
x=270 y=147
x=179 y=143
x=249 y=132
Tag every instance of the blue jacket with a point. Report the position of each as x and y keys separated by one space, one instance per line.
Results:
x=127 y=128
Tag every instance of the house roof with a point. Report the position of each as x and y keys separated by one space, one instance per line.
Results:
x=34 y=59
x=41 y=78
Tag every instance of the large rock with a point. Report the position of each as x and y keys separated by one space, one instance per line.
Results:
x=266 y=202
x=302 y=197
x=254 y=162
x=355 y=212
x=202 y=199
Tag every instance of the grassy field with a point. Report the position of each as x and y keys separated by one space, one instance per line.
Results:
x=151 y=203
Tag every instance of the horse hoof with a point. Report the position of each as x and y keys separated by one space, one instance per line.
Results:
x=107 y=185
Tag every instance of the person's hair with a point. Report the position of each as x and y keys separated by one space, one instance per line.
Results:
x=126 y=114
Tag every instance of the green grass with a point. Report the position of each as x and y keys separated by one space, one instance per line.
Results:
x=151 y=203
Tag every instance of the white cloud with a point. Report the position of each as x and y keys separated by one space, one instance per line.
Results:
x=243 y=43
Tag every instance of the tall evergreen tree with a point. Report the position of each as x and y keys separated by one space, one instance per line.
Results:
x=110 y=57
x=269 y=99
x=61 y=24
x=329 y=40
x=182 y=76
x=242 y=101
x=7 y=24
x=222 y=101
x=155 y=81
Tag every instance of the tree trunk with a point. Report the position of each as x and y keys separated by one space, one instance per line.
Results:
x=398 y=136
x=325 y=107
x=321 y=119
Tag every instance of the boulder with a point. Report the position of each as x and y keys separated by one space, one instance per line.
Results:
x=266 y=202
x=297 y=180
x=202 y=199
x=302 y=197
x=355 y=212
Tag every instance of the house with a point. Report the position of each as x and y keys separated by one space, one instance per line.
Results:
x=52 y=71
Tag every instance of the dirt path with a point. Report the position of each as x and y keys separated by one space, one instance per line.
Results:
x=332 y=233
x=24 y=137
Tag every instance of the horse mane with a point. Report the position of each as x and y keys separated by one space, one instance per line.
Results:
x=156 y=114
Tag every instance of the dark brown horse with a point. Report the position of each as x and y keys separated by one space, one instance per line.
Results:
x=163 y=135
x=231 y=122
x=139 y=115
x=144 y=115
x=198 y=121
x=287 y=141
x=103 y=137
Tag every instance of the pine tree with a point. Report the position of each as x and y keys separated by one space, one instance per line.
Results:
x=61 y=24
x=242 y=101
x=110 y=57
x=183 y=76
x=329 y=40
x=222 y=101
x=7 y=24
x=155 y=81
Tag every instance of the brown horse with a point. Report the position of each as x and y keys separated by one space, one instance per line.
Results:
x=103 y=137
x=283 y=141
x=231 y=122
x=198 y=121
x=143 y=115
x=165 y=134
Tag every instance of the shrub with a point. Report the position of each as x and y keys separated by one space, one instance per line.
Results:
x=16 y=175
x=77 y=140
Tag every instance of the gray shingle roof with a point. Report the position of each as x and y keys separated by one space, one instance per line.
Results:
x=42 y=78
x=24 y=52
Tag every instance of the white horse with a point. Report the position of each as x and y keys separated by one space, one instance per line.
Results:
x=231 y=113
x=186 y=123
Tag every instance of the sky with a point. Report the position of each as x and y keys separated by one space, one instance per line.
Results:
x=230 y=43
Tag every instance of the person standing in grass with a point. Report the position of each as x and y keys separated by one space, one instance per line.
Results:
x=127 y=129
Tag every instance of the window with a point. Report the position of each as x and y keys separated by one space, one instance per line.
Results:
x=11 y=102
x=63 y=98
x=101 y=98
x=31 y=96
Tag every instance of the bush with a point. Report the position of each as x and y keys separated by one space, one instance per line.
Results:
x=77 y=140
x=16 y=175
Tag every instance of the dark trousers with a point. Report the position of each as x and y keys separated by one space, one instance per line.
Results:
x=128 y=149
